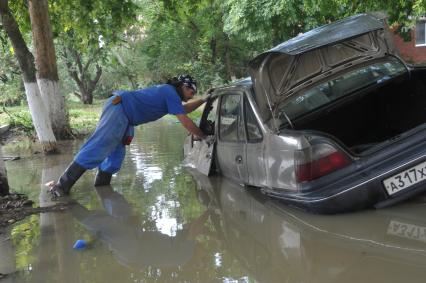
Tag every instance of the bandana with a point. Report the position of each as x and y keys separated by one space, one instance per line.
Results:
x=188 y=81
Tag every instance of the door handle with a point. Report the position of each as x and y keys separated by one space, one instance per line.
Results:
x=239 y=159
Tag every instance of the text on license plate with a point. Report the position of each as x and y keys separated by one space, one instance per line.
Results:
x=405 y=178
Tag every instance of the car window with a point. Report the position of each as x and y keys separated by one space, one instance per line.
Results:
x=254 y=134
x=334 y=89
x=230 y=124
x=212 y=113
x=209 y=117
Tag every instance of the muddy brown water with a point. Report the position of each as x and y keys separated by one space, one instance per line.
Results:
x=158 y=222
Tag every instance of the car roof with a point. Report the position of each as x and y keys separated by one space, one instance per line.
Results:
x=241 y=83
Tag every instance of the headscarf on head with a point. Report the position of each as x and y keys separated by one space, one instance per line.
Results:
x=188 y=81
x=185 y=80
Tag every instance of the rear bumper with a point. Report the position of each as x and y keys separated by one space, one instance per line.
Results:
x=359 y=186
x=361 y=197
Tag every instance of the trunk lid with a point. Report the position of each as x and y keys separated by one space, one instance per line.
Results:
x=315 y=55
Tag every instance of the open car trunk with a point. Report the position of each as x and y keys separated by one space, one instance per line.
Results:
x=364 y=120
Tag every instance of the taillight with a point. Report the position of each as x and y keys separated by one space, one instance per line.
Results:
x=319 y=160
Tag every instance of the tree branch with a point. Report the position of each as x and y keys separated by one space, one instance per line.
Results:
x=87 y=65
x=24 y=56
x=94 y=82
x=77 y=94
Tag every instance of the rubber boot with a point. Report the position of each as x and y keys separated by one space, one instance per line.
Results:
x=67 y=180
x=102 y=178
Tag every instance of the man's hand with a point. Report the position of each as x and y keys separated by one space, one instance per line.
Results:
x=210 y=140
x=196 y=138
x=209 y=94
x=190 y=126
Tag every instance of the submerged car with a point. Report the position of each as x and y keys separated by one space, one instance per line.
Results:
x=330 y=121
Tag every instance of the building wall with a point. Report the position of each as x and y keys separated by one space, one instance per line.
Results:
x=409 y=51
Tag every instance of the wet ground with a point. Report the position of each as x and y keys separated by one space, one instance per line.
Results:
x=158 y=222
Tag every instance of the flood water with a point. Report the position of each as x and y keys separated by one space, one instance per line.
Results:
x=158 y=222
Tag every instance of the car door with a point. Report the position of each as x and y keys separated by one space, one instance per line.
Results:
x=231 y=139
x=199 y=154
x=255 y=147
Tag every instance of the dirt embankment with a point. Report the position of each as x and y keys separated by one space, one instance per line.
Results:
x=15 y=207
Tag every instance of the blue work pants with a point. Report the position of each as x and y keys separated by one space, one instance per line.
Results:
x=105 y=148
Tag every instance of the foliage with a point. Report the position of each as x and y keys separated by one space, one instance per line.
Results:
x=11 y=89
x=85 y=31
x=20 y=118
x=140 y=42
x=85 y=25
x=282 y=19
x=83 y=118
x=188 y=37
x=23 y=238
x=11 y=92
x=214 y=40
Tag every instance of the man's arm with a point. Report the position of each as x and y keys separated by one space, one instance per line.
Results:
x=191 y=106
x=190 y=126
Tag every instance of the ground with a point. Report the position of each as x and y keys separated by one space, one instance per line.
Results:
x=14 y=135
x=15 y=207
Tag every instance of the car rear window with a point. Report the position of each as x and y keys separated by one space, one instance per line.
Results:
x=334 y=89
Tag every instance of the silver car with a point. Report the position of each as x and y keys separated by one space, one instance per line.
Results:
x=330 y=121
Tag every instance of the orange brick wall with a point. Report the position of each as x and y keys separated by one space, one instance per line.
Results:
x=408 y=51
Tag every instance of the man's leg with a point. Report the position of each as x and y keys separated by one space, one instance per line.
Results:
x=110 y=165
x=67 y=180
x=108 y=134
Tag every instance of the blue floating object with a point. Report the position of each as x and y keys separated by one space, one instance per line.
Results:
x=79 y=245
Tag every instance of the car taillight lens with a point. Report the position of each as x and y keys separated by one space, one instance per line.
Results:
x=319 y=160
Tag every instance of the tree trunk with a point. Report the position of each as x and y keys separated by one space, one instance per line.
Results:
x=7 y=255
x=213 y=48
x=86 y=97
x=79 y=73
x=227 y=57
x=64 y=264
x=47 y=72
x=4 y=184
x=25 y=59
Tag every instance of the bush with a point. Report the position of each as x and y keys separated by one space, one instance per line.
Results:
x=19 y=118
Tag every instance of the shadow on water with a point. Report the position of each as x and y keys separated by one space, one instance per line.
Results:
x=159 y=222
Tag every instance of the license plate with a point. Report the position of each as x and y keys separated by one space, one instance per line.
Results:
x=405 y=179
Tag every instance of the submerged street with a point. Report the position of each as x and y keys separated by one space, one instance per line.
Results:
x=160 y=222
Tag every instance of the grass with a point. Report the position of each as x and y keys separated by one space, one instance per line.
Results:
x=83 y=118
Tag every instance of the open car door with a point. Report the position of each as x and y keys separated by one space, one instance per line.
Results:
x=199 y=154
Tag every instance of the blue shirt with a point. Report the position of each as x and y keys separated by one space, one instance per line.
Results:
x=150 y=104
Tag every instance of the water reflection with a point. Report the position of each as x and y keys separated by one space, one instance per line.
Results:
x=275 y=243
x=7 y=255
x=132 y=245
x=160 y=223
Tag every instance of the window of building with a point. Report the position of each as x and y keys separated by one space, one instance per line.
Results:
x=421 y=33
